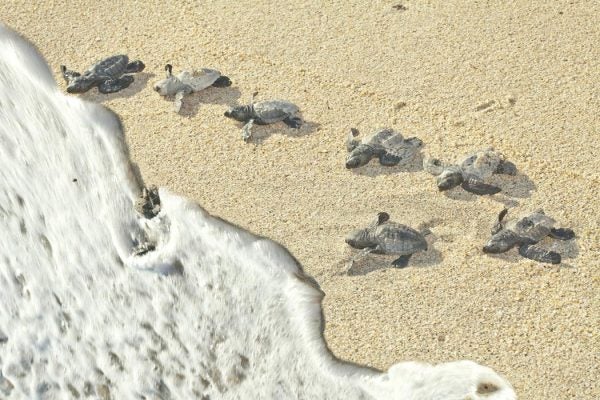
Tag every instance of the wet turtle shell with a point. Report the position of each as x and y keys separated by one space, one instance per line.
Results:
x=271 y=111
x=111 y=67
x=394 y=238
x=532 y=227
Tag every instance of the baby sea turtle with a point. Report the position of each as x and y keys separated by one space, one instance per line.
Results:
x=525 y=233
x=472 y=172
x=142 y=249
x=108 y=75
x=386 y=144
x=186 y=83
x=148 y=204
x=264 y=113
x=384 y=237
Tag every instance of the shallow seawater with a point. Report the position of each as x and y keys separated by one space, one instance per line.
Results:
x=212 y=312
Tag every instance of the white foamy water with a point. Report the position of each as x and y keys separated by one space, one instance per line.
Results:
x=213 y=313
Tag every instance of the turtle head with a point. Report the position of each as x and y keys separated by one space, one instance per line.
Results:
x=448 y=179
x=170 y=85
x=75 y=82
x=79 y=84
x=358 y=157
x=239 y=113
x=359 y=239
x=501 y=242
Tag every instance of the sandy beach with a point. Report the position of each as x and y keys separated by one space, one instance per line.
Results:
x=522 y=77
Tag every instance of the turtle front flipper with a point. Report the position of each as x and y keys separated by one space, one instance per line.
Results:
x=135 y=66
x=477 y=186
x=389 y=159
x=178 y=100
x=247 y=130
x=222 y=81
x=562 y=233
x=401 y=261
x=67 y=74
x=351 y=141
x=498 y=226
x=539 y=254
x=293 y=122
x=382 y=217
x=114 y=85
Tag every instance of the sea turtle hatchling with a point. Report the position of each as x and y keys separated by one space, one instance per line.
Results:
x=264 y=113
x=186 y=83
x=472 y=172
x=108 y=75
x=148 y=204
x=525 y=232
x=385 y=237
x=386 y=144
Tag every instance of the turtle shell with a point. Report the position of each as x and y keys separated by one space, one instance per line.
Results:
x=111 y=67
x=274 y=110
x=199 y=80
x=481 y=164
x=397 y=239
x=533 y=227
x=391 y=142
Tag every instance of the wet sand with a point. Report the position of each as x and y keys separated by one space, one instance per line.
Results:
x=524 y=78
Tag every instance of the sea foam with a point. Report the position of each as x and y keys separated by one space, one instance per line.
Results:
x=214 y=312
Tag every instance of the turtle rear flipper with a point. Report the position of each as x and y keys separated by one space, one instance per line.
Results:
x=293 y=122
x=135 y=66
x=479 y=187
x=401 y=261
x=539 y=254
x=562 y=233
x=222 y=81
x=114 y=85
x=389 y=159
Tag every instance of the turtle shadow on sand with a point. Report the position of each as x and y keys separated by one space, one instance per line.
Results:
x=263 y=132
x=211 y=95
x=517 y=186
x=374 y=168
x=375 y=262
x=567 y=249
x=139 y=83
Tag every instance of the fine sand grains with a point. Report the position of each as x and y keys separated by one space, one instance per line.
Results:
x=523 y=77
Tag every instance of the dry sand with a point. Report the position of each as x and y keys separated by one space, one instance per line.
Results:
x=424 y=71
